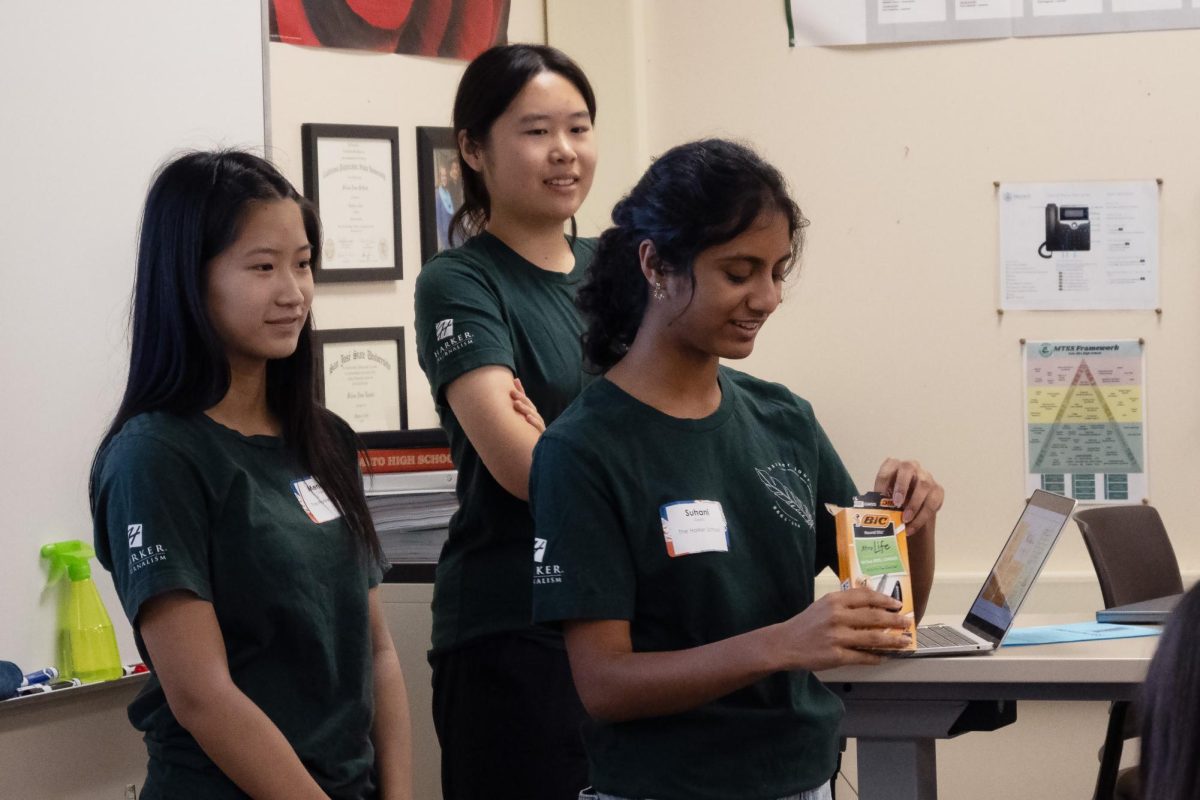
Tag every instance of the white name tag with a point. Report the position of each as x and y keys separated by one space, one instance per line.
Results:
x=314 y=501
x=694 y=526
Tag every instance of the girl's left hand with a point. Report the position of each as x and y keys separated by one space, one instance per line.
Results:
x=912 y=488
x=525 y=407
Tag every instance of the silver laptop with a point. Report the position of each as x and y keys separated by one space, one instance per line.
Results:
x=992 y=614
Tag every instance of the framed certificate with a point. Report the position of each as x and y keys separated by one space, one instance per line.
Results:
x=362 y=381
x=440 y=188
x=352 y=174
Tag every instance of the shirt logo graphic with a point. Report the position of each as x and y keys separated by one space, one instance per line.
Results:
x=141 y=554
x=788 y=505
x=539 y=550
x=445 y=329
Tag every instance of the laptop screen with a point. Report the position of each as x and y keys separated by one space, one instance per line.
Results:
x=1019 y=563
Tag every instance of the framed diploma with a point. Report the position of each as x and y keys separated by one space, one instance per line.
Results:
x=362 y=381
x=352 y=173
x=440 y=194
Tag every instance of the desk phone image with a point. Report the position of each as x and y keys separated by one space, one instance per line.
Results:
x=1067 y=229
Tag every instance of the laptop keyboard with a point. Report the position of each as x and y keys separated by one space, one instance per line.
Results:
x=941 y=636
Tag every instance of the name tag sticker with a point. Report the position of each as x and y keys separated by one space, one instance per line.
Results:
x=694 y=526
x=314 y=501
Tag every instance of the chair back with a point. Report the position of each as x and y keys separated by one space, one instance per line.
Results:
x=1132 y=555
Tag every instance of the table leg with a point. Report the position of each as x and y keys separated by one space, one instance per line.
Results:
x=897 y=769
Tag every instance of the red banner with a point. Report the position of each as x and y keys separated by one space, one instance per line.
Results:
x=409 y=459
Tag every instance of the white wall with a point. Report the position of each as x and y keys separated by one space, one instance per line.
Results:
x=92 y=104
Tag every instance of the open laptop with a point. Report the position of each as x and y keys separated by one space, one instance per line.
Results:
x=992 y=614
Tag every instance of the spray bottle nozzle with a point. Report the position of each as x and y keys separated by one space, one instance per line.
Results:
x=72 y=557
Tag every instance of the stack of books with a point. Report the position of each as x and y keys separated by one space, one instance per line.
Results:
x=412 y=513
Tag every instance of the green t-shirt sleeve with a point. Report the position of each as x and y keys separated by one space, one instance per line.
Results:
x=461 y=323
x=834 y=485
x=152 y=522
x=583 y=568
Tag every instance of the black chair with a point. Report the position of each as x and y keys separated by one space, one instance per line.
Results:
x=1134 y=561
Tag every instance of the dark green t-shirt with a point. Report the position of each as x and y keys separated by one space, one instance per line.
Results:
x=481 y=305
x=186 y=503
x=607 y=477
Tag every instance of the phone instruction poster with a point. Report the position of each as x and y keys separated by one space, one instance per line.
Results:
x=1078 y=246
x=1085 y=420
x=824 y=23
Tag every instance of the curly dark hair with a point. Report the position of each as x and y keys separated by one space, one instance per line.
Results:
x=693 y=197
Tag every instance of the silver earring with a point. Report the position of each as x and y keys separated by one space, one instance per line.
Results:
x=659 y=292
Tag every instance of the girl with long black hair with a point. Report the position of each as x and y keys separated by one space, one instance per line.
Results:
x=228 y=506
x=497 y=326
x=682 y=505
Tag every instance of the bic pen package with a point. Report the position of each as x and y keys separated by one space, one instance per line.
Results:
x=873 y=550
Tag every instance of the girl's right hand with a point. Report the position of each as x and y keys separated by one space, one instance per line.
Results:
x=525 y=407
x=839 y=629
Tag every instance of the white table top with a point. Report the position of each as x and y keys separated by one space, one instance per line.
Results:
x=1122 y=661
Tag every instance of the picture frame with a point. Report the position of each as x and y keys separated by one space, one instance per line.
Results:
x=439 y=187
x=362 y=380
x=352 y=175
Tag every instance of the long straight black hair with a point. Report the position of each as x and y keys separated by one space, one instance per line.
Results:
x=177 y=362
x=694 y=196
x=487 y=88
x=1170 y=708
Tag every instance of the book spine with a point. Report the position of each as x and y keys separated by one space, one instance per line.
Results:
x=422 y=459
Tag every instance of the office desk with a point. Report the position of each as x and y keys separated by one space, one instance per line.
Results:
x=897 y=710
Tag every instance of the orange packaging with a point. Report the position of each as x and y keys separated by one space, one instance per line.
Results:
x=873 y=550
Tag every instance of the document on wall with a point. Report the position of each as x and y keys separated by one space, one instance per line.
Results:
x=817 y=23
x=1085 y=420
x=1078 y=246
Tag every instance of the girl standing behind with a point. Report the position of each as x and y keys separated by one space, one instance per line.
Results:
x=682 y=505
x=229 y=508
x=496 y=322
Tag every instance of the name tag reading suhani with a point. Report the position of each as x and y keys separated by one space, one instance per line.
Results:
x=694 y=526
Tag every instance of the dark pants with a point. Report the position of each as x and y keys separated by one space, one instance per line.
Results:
x=508 y=720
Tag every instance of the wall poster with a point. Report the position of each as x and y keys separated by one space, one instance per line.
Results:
x=1085 y=420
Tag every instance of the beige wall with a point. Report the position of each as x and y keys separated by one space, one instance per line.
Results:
x=347 y=87
x=892 y=152
x=358 y=88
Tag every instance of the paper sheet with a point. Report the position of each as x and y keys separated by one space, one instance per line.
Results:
x=1080 y=246
x=1085 y=420
x=1076 y=632
x=822 y=23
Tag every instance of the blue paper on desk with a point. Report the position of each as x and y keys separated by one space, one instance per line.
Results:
x=1076 y=632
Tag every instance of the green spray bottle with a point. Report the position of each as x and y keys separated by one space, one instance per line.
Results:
x=87 y=645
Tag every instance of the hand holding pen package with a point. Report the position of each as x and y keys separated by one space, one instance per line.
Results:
x=873 y=550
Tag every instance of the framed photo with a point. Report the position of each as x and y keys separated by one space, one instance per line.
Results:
x=440 y=187
x=352 y=173
x=362 y=381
